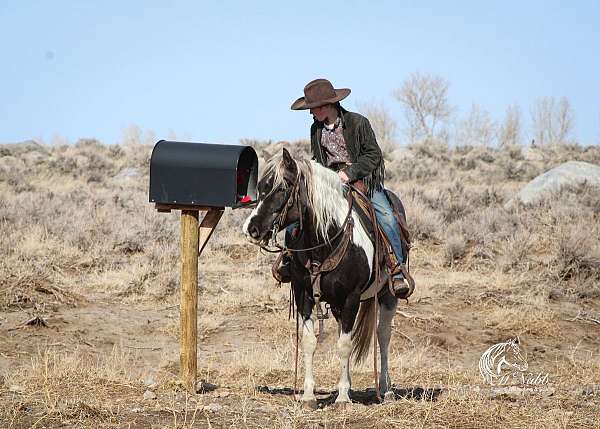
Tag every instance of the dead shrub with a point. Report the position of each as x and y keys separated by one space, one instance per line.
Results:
x=525 y=319
x=435 y=150
x=587 y=288
x=513 y=151
x=584 y=195
x=423 y=222
x=455 y=248
x=513 y=170
x=490 y=197
x=515 y=253
x=479 y=154
x=576 y=253
x=487 y=226
x=451 y=202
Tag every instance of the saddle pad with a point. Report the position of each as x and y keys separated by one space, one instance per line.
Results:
x=362 y=210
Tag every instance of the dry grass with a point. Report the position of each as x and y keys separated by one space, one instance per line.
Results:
x=84 y=251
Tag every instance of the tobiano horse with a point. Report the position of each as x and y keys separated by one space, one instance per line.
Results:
x=293 y=191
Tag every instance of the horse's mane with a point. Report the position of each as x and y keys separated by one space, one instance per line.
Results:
x=325 y=190
x=488 y=365
x=488 y=360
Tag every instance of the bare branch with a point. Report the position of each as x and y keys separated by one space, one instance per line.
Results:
x=552 y=121
x=511 y=130
x=477 y=128
x=383 y=124
x=425 y=101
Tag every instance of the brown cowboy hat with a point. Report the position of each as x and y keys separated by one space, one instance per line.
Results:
x=319 y=92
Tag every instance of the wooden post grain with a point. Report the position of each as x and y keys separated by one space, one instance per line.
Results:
x=189 y=298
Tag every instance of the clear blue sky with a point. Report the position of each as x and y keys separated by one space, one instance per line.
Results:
x=223 y=70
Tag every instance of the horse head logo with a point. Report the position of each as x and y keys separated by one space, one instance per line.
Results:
x=502 y=361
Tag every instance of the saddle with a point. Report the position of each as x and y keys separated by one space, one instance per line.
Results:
x=394 y=267
x=360 y=204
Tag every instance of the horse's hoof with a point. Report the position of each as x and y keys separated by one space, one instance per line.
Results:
x=310 y=404
x=342 y=405
x=389 y=396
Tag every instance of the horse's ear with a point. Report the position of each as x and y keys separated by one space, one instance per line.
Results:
x=291 y=169
x=288 y=160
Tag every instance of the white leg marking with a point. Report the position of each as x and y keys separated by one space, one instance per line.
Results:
x=309 y=345
x=344 y=346
x=249 y=218
x=361 y=239
x=384 y=333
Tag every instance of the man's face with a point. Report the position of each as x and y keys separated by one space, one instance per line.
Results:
x=320 y=113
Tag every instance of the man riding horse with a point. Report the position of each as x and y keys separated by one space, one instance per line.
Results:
x=345 y=142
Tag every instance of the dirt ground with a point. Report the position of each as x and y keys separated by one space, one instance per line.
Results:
x=89 y=315
x=92 y=363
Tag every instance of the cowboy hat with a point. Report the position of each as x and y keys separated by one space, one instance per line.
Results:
x=319 y=92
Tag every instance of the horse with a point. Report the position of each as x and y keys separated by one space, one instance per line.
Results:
x=494 y=360
x=304 y=191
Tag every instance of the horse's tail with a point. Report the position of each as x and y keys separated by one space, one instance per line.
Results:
x=363 y=330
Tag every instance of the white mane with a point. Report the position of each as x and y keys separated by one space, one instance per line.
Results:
x=325 y=196
x=325 y=191
x=493 y=359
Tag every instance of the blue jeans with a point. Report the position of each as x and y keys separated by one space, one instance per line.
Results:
x=385 y=217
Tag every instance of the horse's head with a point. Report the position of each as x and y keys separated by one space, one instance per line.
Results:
x=279 y=199
x=513 y=355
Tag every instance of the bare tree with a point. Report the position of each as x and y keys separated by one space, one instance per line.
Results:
x=425 y=101
x=477 y=128
x=383 y=124
x=552 y=121
x=511 y=130
x=133 y=135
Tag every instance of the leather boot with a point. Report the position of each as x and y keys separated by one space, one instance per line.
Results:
x=401 y=289
x=404 y=285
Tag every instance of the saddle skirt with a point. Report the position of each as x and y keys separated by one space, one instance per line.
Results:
x=385 y=248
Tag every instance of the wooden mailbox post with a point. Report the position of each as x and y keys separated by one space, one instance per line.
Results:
x=195 y=177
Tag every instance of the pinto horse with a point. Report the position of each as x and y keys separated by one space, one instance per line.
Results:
x=308 y=193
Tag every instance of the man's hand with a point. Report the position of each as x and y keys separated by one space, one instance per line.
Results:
x=343 y=176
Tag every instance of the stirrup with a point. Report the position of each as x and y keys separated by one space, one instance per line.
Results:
x=398 y=286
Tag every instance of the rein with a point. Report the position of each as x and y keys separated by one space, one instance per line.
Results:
x=281 y=218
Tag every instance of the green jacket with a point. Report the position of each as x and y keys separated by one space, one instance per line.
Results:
x=366 y=156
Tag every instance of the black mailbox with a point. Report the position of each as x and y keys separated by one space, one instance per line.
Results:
x=202 y=175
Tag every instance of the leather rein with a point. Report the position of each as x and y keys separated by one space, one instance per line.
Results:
x=291 y=200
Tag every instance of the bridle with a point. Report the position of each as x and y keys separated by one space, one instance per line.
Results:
x=292 y=199
x=280 y=219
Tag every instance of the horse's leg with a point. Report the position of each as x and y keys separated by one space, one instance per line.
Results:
x=344 y=347
x=309 y=345
x=387 y=309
